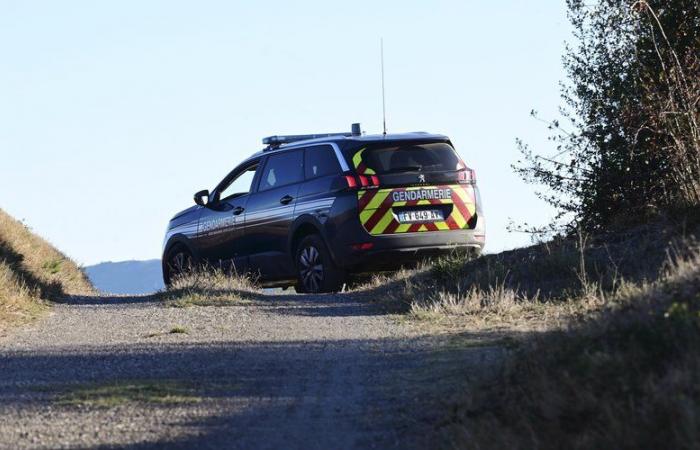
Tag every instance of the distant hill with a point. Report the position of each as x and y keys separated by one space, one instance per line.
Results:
x=126 y=277
x=32 y=272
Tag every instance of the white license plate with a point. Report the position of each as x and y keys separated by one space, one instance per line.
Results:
x=423 y=215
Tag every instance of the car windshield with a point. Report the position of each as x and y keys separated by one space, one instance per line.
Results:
x=409 y=157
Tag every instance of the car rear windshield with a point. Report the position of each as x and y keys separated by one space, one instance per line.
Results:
x=407 y=157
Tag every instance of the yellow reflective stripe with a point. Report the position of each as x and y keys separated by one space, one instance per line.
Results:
x=383 y=223
x=462 y=193
x=457 y=216
x=442 y=225
x=403 y=228
x=381 y=196
x=365 y=215
x=357 y=158
x=377 y=200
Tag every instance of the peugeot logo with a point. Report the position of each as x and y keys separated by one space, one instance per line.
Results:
x=421 y=178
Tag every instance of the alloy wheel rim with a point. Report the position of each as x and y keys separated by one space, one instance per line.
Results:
x=180 y=263
x=311 y=268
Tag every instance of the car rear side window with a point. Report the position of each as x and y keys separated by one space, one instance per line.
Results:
x=394 y=158
x=283 y=169
x=320 y=161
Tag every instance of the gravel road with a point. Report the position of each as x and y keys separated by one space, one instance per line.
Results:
x=288 y=371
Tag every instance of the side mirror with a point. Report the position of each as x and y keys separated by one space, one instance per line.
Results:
x=199 y=197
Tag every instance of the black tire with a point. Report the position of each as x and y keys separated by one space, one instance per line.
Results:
x=316 y=271
x=178 y=263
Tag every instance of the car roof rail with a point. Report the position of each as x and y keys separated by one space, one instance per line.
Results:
x=276 y=141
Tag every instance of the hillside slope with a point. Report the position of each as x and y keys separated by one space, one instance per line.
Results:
x=604 y=334
x=32 y=271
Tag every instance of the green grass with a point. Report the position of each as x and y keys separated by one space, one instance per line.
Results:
x=52 y=267
x=124 y=392
x=178 y=330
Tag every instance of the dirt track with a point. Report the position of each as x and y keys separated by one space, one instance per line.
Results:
x=307 y=372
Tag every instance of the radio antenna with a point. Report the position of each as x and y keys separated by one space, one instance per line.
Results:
x=381 y=50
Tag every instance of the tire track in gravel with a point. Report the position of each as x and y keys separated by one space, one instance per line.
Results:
x=289 y=371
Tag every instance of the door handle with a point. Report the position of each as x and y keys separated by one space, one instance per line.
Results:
x=286 y=199
x=237 y=210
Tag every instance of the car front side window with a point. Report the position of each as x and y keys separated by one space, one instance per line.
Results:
x=240 y=184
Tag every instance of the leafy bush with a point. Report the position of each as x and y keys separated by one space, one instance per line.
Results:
x=631 y=149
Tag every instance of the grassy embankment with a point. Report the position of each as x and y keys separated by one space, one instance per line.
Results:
x=210 y=288
x=607 y=333
x=32 y=272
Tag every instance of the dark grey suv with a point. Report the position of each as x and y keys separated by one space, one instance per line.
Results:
x=308 y=211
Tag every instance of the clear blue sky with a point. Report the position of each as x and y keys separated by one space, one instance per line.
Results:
x=112 y=114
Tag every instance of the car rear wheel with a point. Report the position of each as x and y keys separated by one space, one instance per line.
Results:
x=178 y=263
x=316 y=270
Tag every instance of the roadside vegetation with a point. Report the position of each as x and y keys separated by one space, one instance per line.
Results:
x=622 y=375
x=32 y=272
x=210 y=288
x=538 y=287
x=604 y=332
x=627 y=147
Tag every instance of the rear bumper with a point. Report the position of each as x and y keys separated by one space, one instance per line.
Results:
x=396 y=251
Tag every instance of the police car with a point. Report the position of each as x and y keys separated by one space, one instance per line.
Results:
x=311 y=210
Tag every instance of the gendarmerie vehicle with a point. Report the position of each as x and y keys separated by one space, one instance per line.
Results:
x=308 y=211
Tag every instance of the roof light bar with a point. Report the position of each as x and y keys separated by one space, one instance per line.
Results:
x=276 y=141
x=279 y=140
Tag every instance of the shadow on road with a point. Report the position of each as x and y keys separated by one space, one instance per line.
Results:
x=322 y=305
x=337 y=394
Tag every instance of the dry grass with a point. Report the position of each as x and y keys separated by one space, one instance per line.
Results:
x=538 y=288
x=18 y=303
x=33 y=255
x=607 y=340
x=32 y=272
x=498 y=309
x=211 y=288
x=625 y=376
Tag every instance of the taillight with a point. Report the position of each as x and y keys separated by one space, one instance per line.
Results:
x=352 y=183
x=466 y=176
x=362 y=181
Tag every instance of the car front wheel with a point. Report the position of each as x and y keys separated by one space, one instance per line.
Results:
x=179 y=263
